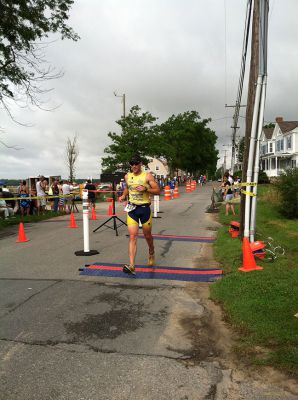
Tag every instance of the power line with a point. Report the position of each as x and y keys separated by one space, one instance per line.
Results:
x=241 y=80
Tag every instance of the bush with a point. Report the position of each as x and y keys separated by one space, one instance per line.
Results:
x=287 y=185
x=263 y=178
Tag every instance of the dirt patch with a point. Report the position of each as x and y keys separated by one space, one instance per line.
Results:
x=293 y=234
x=213 y=339
x=206 y=257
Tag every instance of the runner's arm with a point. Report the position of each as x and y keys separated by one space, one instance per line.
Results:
x=154 y=187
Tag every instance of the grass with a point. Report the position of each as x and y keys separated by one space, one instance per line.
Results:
x=261 y=304
x=27 y=218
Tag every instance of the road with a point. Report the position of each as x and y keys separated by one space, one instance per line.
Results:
x=74 y=337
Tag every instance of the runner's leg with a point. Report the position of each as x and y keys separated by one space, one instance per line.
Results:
x=132 y=245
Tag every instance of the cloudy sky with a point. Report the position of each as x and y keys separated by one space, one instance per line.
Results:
x=167 y=56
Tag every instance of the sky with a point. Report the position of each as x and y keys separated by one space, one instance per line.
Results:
x=167 y=56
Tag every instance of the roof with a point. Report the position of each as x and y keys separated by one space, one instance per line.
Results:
x=268 y=132
x=287 y=126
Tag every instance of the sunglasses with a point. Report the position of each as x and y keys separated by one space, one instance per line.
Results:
x=134 y=163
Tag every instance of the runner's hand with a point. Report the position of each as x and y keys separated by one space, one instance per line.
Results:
x=141 y=188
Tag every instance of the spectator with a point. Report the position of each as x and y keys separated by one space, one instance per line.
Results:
x=172 y=187
x=56 y=192
x=24 y=193
x=66 y=190
x=41 y=185
x=7 y=211
x=61 y=204
x=91 y=192
x=228 y=195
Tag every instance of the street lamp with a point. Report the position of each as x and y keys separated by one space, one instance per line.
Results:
x=123 y=101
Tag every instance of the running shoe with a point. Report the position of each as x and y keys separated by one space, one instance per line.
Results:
x=129 y=269
x=151 y=260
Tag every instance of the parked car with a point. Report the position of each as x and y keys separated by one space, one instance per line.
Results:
x=105 y=186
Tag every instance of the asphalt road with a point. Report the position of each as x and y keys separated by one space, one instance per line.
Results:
x=67 y=336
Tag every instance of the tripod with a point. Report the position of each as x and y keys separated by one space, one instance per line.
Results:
x=73 y=206
x=113 y=217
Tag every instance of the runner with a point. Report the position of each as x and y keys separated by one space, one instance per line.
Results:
x=139 y=186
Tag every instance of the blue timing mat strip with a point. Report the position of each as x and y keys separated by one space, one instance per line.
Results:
x=145 y=272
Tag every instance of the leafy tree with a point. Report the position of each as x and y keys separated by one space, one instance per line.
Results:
x=287 y=185
x=24 y=23
x=188 y=144
x=240 y=148
x=270 y=125
x=139 y=135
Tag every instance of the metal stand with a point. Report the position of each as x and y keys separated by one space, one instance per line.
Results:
x=73 y=206
x=113 y=217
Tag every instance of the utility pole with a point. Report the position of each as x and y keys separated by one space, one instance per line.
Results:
x=123 y=102
x=234 y=132
x=253 y=75
x=225 y=163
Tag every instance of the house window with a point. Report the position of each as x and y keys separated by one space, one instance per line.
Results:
x=293 y=163
x=273 y=163
x=270 y=147
x=264 y=149
x=280 y=145
x=156 y=168
x=289 y=142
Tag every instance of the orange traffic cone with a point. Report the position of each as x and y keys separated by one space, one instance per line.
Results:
x=167 y=193
x=176 y=192
x=188 y=187
x=72 y=222
x=110 y=210
x=93 y=215
x=249 y=263
x=22 y=235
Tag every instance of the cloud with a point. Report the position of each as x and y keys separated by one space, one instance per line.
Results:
x=167 y=56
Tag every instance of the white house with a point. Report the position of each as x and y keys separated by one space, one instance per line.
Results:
x=279 y=147
x=158 y=168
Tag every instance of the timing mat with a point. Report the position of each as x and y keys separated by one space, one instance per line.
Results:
x=144 y=272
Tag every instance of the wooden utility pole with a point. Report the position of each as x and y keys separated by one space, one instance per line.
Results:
x=253 y=76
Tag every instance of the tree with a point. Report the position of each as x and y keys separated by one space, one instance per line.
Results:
x=72 y=153
x=138 y=136
x=188 y=144
x=270 y=125
x=240 y=148
x=24 y=24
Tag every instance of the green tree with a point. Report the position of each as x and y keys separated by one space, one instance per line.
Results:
x=138 y=135
x=24 y=24
x=240 y=148
x=188 y=144
x=270 y=125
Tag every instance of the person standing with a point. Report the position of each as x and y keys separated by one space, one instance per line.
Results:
x=24 y=203
x=66 y=191
x=228 y=195
x=56 y=193
x=139 y=186
x=91 y=193
x=41 y=185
